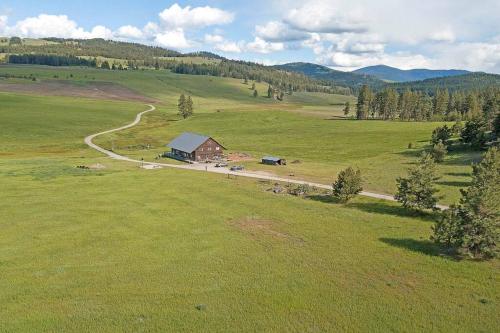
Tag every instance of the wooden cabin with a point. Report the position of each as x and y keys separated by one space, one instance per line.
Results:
x=196 y=147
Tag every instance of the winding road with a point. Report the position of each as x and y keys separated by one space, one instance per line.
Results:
x=211 y=168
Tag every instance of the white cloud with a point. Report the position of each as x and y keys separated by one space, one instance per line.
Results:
x=45 y=25
x=100 y=31
x=172 y=39
x=261 y=46
x=443 y=35
x=212 y=39
x=129 y=32
x=229 y=47
x=3 y=23
x=349 y=61
x=198 y=17
x=325 y=16
x=276 y=31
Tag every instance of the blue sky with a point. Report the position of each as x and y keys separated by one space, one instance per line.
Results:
x=342 y=34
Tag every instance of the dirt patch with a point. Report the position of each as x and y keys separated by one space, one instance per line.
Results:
x=97 y=166
x=94 y=90
x=257 y=228
x=239 y=157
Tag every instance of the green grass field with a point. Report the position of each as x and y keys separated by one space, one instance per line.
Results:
x=132 y=250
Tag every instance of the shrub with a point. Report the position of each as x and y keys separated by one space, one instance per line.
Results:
x=348 y=185
x=472 y=227
x=417 y=190
x=439 y=151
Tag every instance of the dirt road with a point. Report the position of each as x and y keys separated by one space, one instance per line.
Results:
x=210 y=167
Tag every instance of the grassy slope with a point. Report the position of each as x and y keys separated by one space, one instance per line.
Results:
x=324 y=147
x=123 y=249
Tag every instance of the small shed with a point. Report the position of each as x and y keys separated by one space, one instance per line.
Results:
x=271 y=160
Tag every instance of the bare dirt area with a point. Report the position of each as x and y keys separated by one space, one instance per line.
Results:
x=239 y=157
x=94 y=90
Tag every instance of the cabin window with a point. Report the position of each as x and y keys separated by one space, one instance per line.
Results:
x=217 y=148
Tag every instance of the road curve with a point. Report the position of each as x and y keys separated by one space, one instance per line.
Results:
x=211 y=168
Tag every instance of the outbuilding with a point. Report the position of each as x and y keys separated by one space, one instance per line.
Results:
x=195 y=147
x=271 y=160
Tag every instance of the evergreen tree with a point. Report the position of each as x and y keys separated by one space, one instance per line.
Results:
x=255 y=93
x=439 y=151
x=440 y=103
x=253 y=86
x=417 y=191
x=181 y=106
x=472 y=107
x=348 y=184
x=270 y=92
x=105 y=65
x=189 y=107
x=364 y=105
x=347 y=108
x=473 y=226
x=441 y=134
x=496 y=126
x=474 y=133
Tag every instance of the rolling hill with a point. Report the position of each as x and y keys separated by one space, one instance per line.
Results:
x=466 y=82
x=393 y=74
x=348 y=79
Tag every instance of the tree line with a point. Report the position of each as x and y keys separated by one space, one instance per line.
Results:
x=50 y=60
x=410 y=105
x=278 y=79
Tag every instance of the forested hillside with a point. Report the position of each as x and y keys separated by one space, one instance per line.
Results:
x=467 y=82
x=346 y=79
x=388 y=73
x=125 y=56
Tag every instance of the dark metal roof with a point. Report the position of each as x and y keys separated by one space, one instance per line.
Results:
x=188 y=142
x=271 y=158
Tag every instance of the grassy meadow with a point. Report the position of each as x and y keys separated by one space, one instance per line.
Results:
x=125 y=249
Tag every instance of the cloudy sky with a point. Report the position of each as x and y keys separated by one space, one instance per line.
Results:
x=342 y=34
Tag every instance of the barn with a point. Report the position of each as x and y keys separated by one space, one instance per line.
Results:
x=195 y=147
x=271 y=160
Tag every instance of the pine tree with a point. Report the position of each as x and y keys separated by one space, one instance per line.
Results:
x=472 y=106
x=417 y=191
x=189 y=107
x=253 y=86
x=348 y=184
x=474 y=133
x=473 y=226
x=347 y=108
x=255 y=93
x=364 y=105
x=181 y=106
x=439 y=151
x=105 y=65
x=270 y=92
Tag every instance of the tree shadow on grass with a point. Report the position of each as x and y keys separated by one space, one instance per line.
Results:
x=391 y=209
x=459 y=174
x=324 y=198
x=454 y=183
x=421 y=246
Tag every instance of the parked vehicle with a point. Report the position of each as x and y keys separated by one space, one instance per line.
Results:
x=237 y=168
x=221 y=165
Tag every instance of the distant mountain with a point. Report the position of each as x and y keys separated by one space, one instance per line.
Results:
x=466 y=82
x=388 y=73
x=346 y=79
